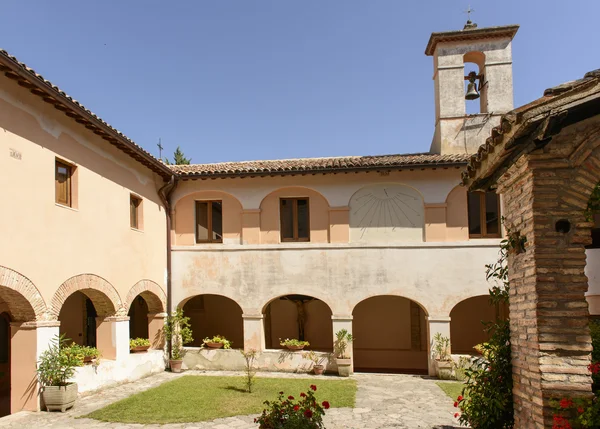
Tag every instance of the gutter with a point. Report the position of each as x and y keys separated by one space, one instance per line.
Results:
x=164 y=193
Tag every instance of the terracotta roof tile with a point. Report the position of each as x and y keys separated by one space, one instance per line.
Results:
x=314 y=165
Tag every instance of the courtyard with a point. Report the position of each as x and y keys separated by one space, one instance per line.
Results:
x=382 y=401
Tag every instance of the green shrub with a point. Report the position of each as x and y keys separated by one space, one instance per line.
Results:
x=219 y=339
x=293 y=342
x=139 y=342
x=81 y=352
x=57 y=365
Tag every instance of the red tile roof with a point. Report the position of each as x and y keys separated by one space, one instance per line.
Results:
x=320 y=165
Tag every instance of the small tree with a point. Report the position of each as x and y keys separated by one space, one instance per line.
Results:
x=179 y=332
x=178 y=158
x=56 y=366
x=249 y=357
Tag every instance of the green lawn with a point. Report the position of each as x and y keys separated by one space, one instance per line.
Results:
x=451 y=388
x=200 y=398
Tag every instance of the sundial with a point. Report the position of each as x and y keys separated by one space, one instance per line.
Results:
x=387 y=211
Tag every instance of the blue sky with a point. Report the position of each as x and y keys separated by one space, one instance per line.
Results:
x=262 y=79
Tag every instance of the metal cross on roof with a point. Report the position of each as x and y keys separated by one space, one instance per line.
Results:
x=160 y=149
x=468 y=12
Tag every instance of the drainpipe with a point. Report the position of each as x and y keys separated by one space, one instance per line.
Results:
x=164 y=193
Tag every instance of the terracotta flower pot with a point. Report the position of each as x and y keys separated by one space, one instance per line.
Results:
x=87 y=359
x=175 y=365
x=59 y=397
x=214 y=345
x=294 y=348
x=139 y=349
x=318 y=369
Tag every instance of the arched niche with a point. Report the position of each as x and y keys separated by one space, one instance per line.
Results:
x=387 y=212
x=270 y=219
x=467 y=323
x=185 y=217
x=457 y=220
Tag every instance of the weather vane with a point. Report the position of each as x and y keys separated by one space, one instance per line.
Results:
x=160 y=149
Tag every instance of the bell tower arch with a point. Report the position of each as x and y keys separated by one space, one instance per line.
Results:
x=472 y=65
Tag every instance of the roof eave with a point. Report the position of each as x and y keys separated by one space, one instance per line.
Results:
x=476 y=33
x=52 y=95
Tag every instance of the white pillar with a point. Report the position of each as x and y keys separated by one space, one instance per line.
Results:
x=437 y=324
x=112 y=337
x=254 y=335
x=344 y=321
x=46 y=333
x=592 y=271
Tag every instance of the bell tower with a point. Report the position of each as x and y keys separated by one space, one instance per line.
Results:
x=472 y=74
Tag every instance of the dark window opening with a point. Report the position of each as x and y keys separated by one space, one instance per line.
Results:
x=295 y=225
x=209 y=222
x=484 y=215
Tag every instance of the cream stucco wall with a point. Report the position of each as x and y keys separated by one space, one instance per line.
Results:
x=50 y=243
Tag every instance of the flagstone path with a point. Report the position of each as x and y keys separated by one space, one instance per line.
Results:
x=382 y=401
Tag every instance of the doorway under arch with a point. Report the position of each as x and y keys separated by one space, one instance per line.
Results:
x=390 y=335
x=77 y=319
x=467 y=323
x=4 y=364
x=212 y=315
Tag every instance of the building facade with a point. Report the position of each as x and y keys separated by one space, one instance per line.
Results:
x=389 y=247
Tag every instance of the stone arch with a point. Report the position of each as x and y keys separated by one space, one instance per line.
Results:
x=301 y=316
x=185 y=212
x=270 y=221
x=385 y=212
x=390 y=334
x=467 y=319
x=152 y=293
x=103 y=295
x=214 y=314
x=21 y=296
x=477 y=58
x=407 y=296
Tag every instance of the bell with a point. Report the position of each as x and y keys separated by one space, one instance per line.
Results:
x=472 y=93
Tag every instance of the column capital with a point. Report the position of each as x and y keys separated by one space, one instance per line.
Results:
x=34 y=324
x=439 y=319
x=113 y=319
x=342 y=317
x=252 y=316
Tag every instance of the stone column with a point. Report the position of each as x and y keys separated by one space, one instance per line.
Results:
x=254 y=335
x=156 y=324
x=342 y=321
x=28 y=341
x=435 y=325
x=550 y=339
x=112 y=337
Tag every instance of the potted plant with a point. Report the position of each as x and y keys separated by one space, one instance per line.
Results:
x=178 y=332
x=85 y=354
x=55 y=367
x=217 y=342
x=139 y=345
x=293 y=344
x=340 y=346
x=443 y=361
x=318 y=361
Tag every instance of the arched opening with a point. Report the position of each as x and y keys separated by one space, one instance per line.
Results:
x=77 y=319
x=4 y=364
x=467 y=323
x=212 y=315
x=390 y=335
x=17 y=344
x=301 y=317
x=475 y=62
x=138 y=318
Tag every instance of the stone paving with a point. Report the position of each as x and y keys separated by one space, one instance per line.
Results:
x=383 y=401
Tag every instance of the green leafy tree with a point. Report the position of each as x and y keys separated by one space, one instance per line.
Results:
x=178 y=158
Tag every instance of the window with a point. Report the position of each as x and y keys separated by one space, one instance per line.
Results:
x=62 y=183
x=209 y=222
x=294 y=219
x=484 y=215
x=135 y=206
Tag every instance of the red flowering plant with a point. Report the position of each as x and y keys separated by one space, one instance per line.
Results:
x=576 y=413
x=289 y=413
